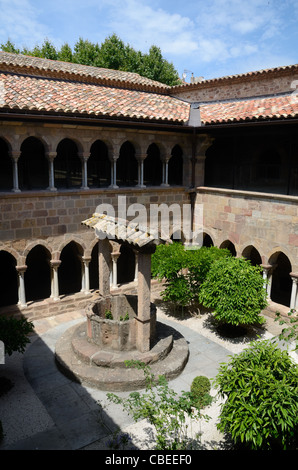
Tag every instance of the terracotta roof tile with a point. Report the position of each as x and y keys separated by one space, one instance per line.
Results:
x=52 y=95
x=276 y=107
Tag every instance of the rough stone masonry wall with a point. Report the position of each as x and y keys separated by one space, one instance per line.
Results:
x=268 y=222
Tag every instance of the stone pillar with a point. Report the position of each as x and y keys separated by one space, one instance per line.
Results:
x=51 y=156
x=165 y=166
x=113 y=184
x=84 y=159
x=54 y=279
x=86 y=278
x=140 y=159
x=104 y=257
x=293 y=302
x=14 y=155
x=143 y=318
x=21 y=282
x=115 y=257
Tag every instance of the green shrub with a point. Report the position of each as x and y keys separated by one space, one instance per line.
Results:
x=260 y=386
x=108 y=315
x=200 y=389
x=234 y=290
x=14 y=334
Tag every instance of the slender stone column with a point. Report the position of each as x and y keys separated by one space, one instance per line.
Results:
x=140 y=159
x=104 y=257
x=143 y=318
x=85 y=275
x=21 y=282
x=266 y=276
x=115 y=257
x=113 y=184
x=165 y=165
x=51 y=156
x=84 y=159
x=15 y=155
x=54 y=279
x=293 y=303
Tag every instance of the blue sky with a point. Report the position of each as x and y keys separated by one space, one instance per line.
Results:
x=211 y=38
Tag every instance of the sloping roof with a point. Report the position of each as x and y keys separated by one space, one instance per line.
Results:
x=24 y=92
x=256 y=109
x=19 y=63
x=123 y=231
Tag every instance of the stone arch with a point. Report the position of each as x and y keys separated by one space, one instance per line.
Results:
x=153 y=166
x=127 y=165
x=207 y=240
x=70 y=270
x=77 y=241
x=6 y=166
x=281 y=283
x=67 y=164
x=31 y=245
x=252 y=254
x=9 y=278
x=38 y=273
x=230 y=246
x=175 y=167
x=33 y=165
x=99 y=165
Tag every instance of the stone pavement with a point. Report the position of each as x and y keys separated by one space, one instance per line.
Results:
x=46 y=410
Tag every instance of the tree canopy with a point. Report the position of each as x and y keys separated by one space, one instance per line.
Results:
x=113 y=53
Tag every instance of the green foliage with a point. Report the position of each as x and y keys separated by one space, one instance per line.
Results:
x=162 y=407
x=184 y=270
x=125 y=318
x=14 y=334
x=108 y=315
x=111 y=54
x=290 y=333
x=261 y=409
x=200 y=389
x=234 y=290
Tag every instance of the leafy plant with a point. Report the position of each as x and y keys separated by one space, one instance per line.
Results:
x=162 y=407
x=14 y=334
x=108 y=315
x=200 y=389
x=235 y=292
x=260 y=386
x=125 y=318
x=290 y=333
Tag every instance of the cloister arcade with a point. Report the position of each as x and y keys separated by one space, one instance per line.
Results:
x=34 y=167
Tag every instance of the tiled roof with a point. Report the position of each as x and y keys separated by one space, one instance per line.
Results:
x=57 y=69
x=276 y=107
x=24 y=92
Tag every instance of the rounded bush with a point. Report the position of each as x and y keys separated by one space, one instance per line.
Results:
x=200 y=389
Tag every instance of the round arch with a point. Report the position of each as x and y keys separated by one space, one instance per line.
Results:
x=127 y=165
x=68 y=165
x=38 y=273
x=9 y=279
x=281 y=283
x=230 y=246
x=99 y=165
x=251 y=253
x=6 y=167
x=70 y=270
x=175 y=167
x=153 y=166
x=33 y=165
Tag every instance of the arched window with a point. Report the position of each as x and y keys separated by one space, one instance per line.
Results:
x=175 y=167
x=230 y=246
x=153 y=167
x=127 y=166
x=281 y=286
x=67 y=165
x=70 y=270
x=9 y=279
x=207 y=240
x=32 y=165
x=252 y=254
x=6 y=170
x=126 y=265
x=99 y=166
x=38 y=274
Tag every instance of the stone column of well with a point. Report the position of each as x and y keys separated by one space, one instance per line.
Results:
x=15 y=155
x=293 y=303
x=84 y=159
x=21 y=283
x=54 y=279
x=143 y=318
x=50 y=157
x=104 y=258
x=115 y=257
x=86 y=261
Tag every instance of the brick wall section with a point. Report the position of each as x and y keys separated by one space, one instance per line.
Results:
x=266 y=221
x=56 y=217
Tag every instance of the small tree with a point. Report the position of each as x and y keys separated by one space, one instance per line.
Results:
x=234 y=290
x=14 y=334
x=260 y=386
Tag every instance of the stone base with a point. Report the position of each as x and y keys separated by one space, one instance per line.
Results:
x=84 y=362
